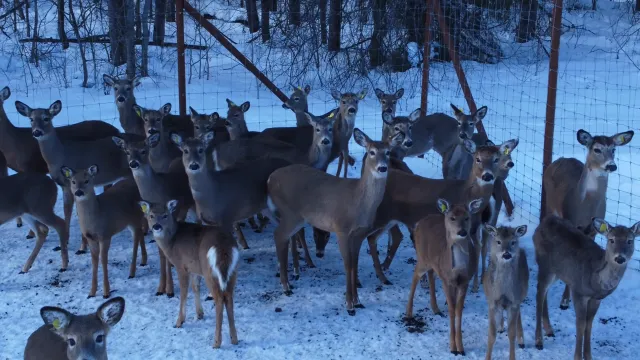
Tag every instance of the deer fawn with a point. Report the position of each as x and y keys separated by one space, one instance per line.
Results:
x=33 y=196
x=235 y=123
x=443 y=244
x=577 y=191
x=102 y=216
x=125 y=99
x=345 y=122
x=163 y=153
x=388 y=102
x=158 y=188
x=298 y=103
x=80 y=154
x=444 y=131
x=203 y=123
x=21 y=152
x=506 y=284
x=299 y=194
x=65 y=336
x=227 y=196
x=197 y=250
x=564 y=252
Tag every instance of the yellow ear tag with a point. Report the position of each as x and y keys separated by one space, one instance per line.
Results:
x=56 y=324
x=139 y=111
x=507 y=151
x=621 y=139
x=443 y=207
x=330 y=116
x=299 y=88
x=67 y=173
x=144 y=207
x=603 y=227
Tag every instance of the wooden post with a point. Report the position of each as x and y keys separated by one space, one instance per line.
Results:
x=426 y=59
x=182 y=77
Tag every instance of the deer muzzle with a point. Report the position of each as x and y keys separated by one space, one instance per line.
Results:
x=487 y=177
x=121 y=99
x=611 y=167
x=79 y=193
x=408 y=143
x=463 y=233
x=156 y=227
x=352 y=110
x=620 y=259
x=134 y=164
x=382 y=169
x=507 y=255
x=325 y=141
x=37 y=133
x=194 y=166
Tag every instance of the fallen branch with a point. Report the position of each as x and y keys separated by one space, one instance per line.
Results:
x=104 y=40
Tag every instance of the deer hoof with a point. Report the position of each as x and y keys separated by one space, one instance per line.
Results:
x=80 y=252
x=159 y=293
x=358 y=306
x=90 y=296
x=62 y=270
x=288 y=292
x=22 y=272
x=387 y=282
x=208 y=298
x=57 y=248
x=351 y=312
x=170 y=295
x=131 y=277
x=539 y=346
x=521 y=346
x=29 y=236
x=564 y=307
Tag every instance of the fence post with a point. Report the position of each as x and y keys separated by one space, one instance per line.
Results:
x=182 y=81
x=426 y=59
x=552 y=90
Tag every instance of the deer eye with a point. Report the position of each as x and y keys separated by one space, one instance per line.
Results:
x=86 y=181
x=478 y=160
x=387 y=152
x=197 y=127
x=471 y=123
x=200 y=150
x=495 y=161
x=128 y=88
x=372 y=153
x=46 y=120
x=459 y=123
x=115 y=88
x=597 y=151
x=164 y=216
x=143 y=152
x=499 y=242
x=99 y=339
x=127 y=152
x=344 y=102
x=612 y=241
x=384 y=102
x=453 y=218
x=73 y=182
x=466 y=219
x=613 y=151
x=317 y=130
x=185 y=151
x=396 y=128
x=513 y=243
x=393 y=102
x=71 y=342
x=629 y=242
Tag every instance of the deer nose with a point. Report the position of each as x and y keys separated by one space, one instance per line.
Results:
x=388 y=110
x=326 y=141
x=152 y=131
x=226 y=123
x=79 y=193
x=320 y=253
x=37 y=133
x=487 y=176
x=156 y=227
x=620 y=259
x=462 y=233
x=382 y=169
x=134 y=164
x=611 y=167
x=510 y=164
x=507 y=255
x=352 y=110
x=408 y=143
x=121 y=99
x=463 y=136
x=194 y=166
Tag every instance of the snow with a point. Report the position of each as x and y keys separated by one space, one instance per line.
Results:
x=597 y=91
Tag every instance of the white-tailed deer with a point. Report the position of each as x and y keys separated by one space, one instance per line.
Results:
x=235 y=123
x=203 y=123
x=505 y=284
x=344 y=124
x=298 y=104
x=444 y=131
x=444 y=245
x=33 y=196
x=577 y=191
x=21 y=151
x=565 y=253
x=389 y=102
x=125 y=99
x=197 y=251
x=225 y=197
x=65 y=336
x=77 y=154
x=300 y=193
x=163 y=152
x=103 y=216
x=158 y=188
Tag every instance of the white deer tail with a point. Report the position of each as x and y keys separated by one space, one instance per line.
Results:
x=221 y=272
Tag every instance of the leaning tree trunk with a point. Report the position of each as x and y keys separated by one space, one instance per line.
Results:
x=323 y=21
x=294 y=12
x=144 y=65
x=264 y=6
x=335 y=22
x=159 y=21
x=61 y=34
x=252 y=15
x=528 y=19
x=130 y=38
x=376 y=47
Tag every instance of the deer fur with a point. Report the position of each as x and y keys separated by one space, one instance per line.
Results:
x=235 y=122
x=163 y=153
x=345 y=123
x=389 y=102
x=444 y=245
x=123 y=95
x=564 y=252
x=203 y=123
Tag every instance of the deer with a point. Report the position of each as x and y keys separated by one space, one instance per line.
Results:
x=444 y=245
x=344 y=124
x=21 y=152
x=158 y=188
x=197 y=251
x=103 y=216
x=235 y=123
x=203 y=123
x=444 y=131
x=66 y=336
x=388 y=102
x=33 y=196
x=505 y=284
x=564 y=252
x=299 y=104
x=227 y=196
x=299 y=193
x=79 y=154
x=163 y=153
x=577 y=191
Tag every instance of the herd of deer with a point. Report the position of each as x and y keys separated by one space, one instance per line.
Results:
x=163 y=166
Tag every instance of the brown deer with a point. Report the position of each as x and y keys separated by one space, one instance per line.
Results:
x=389 y=102
x=197 y=251
x=65 y=336
x=103 y=216
x=345 y=123
x=79 y=154
x=235 y=123
x=203 y=123
x=125 y=99
x=300 y=193
x=33 y=196
x=163 y=153
x=19 y=150
x=577 y=191
x=444 y=245
x=564 y=252
x=506 y=284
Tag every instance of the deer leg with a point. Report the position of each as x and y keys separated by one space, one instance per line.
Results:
x=592 y=309
x=228 y=304
x=303 y=241
x=396 y=239
x=31 y=234
x=163 y=273
x=343 y=245
x=183 y=280
x=143 y=246
x=134 y=257
x=432 y=293
x=492 y=331
x=417 y=274
x=356 y=245
x=282 y=234
x=50 y=219
x=36 y=225
x=566 y=298
x=104 y=259
x=461 y=295
x=373 y=250
x=339 y=164
x=241 y=240
x=169 y=284
x=512 y=330
x=544 y=280
x=346 y=158
x=195 y=286
x=451 y=304
x=295 y=256
x=520 y=333
x=218 y=298
x=500 y=321
x=263 y=220
x=580 y=303
x=253 y=225
x=485 y=237
x=95 y=257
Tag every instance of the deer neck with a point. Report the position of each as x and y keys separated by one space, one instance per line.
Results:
x=88 y=209
x=160 y=152
x=592 y=186
x=167 y=240
x=301 y=118
x=6 y=127
x=319 y=156
x=129 y=119
x=239 y=133
x=475 y=188
x=52 y=149
x=345 y=124
x=370 y=190
x=460 y=254
x=149 y=183
x=608 y=275
x=202 y=183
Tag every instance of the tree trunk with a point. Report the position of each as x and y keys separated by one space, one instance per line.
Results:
x=273 y=6
x=294 y=12
x=593 y=5
x=266 y=35
x=637 y=5
x=171 y=11
x=61 y=34
x=528 y=18
x=159 y=22
x=27 y=20
x=130 y=38
x=144 y=65
x=34 y=48
x=138 y=20
x=76 y=32
x=335 y=23
x=363 y=11
x=376 y=47
x=323 y=21
x=116 y=31
x=252 y=16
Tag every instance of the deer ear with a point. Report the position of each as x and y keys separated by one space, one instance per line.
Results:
x=521 y=230
x=443 y=206
x=387 y=118
x=474 y=206
x=208 y=137
x=67 y=172
x=55 y=108
x=138 y=109
x=111 y=311
x=92 y=170
x=23 y=109
x=456 y=111
x=399 y=93
x=153 y=140
x=584 y=138
x=309 y=118
x=480 y=113
x=307 y=89
x=245 y=106
x=57 y=317
x=622 y=138
x=108 y=80
x=335 y=94
x=166 y=109
x=601 y=226
x=5 y=93
x=508 y=146
x=470 y=146
x=176 y=139
x=635 y=229
x=396 y=140
x=118 y=141
x=415 y=115
x=491 y=230
x=361 y=138
x=379 y=93
x=230 y=103
x=144 y=207
x=172 y=205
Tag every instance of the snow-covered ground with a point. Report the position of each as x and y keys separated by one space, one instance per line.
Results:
x=597 y=91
